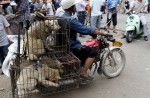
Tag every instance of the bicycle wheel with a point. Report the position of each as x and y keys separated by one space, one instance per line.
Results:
x=109 y=67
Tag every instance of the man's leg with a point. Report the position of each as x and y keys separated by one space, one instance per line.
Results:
x=144 y=23
x=88 y=63
x=98 y=23
x=93 y=21
x=3 y=53
x=1 y=57
x=5 y=50
x=108 y=22
x=114 y=19
x=87 y=56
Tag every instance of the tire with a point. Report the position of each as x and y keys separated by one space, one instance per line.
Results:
x=120 y=66
x=129 y=36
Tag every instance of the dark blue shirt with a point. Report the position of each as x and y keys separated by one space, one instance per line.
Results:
x=57 y=5
x=77 y=27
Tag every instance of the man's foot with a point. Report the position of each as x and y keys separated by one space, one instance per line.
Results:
x=114 y=31
x=123 y=37
x=145 y=38
x=86 y=78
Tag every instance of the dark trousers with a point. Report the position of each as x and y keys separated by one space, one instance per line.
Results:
x=113 y=19
x=27 y=22
x=3 y=54
x=81 y=17
x=84 y=52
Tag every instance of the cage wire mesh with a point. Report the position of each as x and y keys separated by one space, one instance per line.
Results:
x=46 y=64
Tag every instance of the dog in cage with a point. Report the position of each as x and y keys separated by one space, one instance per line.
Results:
x=32 y=76
x=37 y=35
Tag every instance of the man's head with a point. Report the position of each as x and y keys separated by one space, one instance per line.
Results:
x=33 y=1
x=69 y=5
x=38 y=1
x=45 y=1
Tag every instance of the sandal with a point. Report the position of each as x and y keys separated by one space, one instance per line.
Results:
x=88 y=78
x=114 y=31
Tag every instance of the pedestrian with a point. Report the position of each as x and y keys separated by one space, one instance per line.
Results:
x=59 y=12
x=88 y=13
x=103 y=7
x=85 y=54
x=127 y=5
x=112 y=9
x=38 y=5
x=7 y=8
x=23 y=10
x=13 y=5
x=32 y=6
x=47 y=9
x=57 y=4
x=4 y=29
x=96 y=13
x=81 y=12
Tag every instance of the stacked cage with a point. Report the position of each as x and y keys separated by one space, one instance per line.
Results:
x=44 y=63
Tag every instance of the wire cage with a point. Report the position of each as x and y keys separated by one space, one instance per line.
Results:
x=44 y=63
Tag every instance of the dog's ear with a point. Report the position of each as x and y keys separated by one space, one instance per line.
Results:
x=47 y=22
x=57 y=75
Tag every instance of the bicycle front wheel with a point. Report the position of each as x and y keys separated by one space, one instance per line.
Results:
x=113 y=63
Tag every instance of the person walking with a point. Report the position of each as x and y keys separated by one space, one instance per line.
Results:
x=96 y=13
x=81 y=12
x=4 y=29
x=111 y=10
x=23 y=10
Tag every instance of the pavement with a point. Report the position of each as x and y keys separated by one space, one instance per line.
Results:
x=134 y=82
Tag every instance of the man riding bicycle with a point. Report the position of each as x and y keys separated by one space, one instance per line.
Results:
x=85 y=54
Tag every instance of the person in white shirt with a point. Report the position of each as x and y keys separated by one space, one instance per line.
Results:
x=47 y=8
x=59 y=11
x=38 y=5
x=96 y=13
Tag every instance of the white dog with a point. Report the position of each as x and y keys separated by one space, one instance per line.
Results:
x=30 y=76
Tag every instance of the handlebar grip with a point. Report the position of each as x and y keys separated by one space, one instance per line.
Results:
x=110 y=38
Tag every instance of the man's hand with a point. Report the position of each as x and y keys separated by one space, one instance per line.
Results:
x=105 y=33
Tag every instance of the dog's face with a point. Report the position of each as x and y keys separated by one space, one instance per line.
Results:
x=52 y=25
x=56 y=75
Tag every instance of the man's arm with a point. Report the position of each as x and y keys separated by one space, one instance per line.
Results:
x=83 y=29
x=145 y=6
x=97 y=32
x=131 y=9
x=8 y=31
x=91 y=4
x=44 y=10
x=6 y=25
